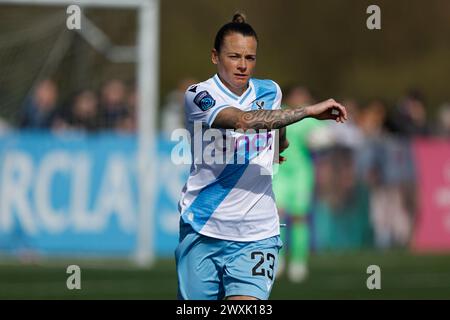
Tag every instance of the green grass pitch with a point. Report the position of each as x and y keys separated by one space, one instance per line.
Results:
x=332 y=276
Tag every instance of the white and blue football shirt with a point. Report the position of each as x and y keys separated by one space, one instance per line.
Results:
x=232 y=200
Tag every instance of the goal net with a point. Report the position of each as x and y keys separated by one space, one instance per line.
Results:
x=78 y=67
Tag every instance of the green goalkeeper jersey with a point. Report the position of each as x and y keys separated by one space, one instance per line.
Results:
x=293 y=184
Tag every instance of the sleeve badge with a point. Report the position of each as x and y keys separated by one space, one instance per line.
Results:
x=204 y=100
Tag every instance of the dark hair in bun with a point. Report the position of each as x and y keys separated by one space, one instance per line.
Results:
x=237 y=25
x=238 y=18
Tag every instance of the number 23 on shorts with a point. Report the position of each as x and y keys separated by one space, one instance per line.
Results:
x=261 y=269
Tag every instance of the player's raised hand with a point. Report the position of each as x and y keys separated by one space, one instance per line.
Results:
x=327 y=110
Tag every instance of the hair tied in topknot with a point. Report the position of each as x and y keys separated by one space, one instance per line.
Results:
x=238 y=18
x=237 y=25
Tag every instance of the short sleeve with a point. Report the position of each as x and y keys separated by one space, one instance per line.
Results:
x=202 y=104
x=278 y=97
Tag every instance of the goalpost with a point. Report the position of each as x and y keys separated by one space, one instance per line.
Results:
x=146 y=59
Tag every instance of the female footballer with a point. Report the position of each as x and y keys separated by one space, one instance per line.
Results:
x=229 y=226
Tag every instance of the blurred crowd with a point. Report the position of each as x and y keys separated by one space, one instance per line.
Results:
x=113 y=107
x=365 y=178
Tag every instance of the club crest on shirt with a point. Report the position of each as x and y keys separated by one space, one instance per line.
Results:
x=260 y=104
x=204 y=100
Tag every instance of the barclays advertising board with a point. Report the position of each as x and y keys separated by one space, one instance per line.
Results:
x=73 y=194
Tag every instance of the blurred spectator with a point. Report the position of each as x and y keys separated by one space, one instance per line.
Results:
x=368 y=159
x=39 y=109
x=383 y=162
x=4 y=126
x=83 y=113
x=372 y=118
x=113 y=108
x=409 y=119
x=341 y=210
x=348 y=134
x=298 y=96
x=443 y=123
x=172 y=115
x=128 y=123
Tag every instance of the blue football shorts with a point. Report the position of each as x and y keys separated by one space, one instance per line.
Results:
x=212 y=269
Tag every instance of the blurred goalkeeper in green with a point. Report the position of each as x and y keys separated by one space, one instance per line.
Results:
x=293 y=186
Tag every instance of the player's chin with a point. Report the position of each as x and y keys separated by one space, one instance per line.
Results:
x=240 y=81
